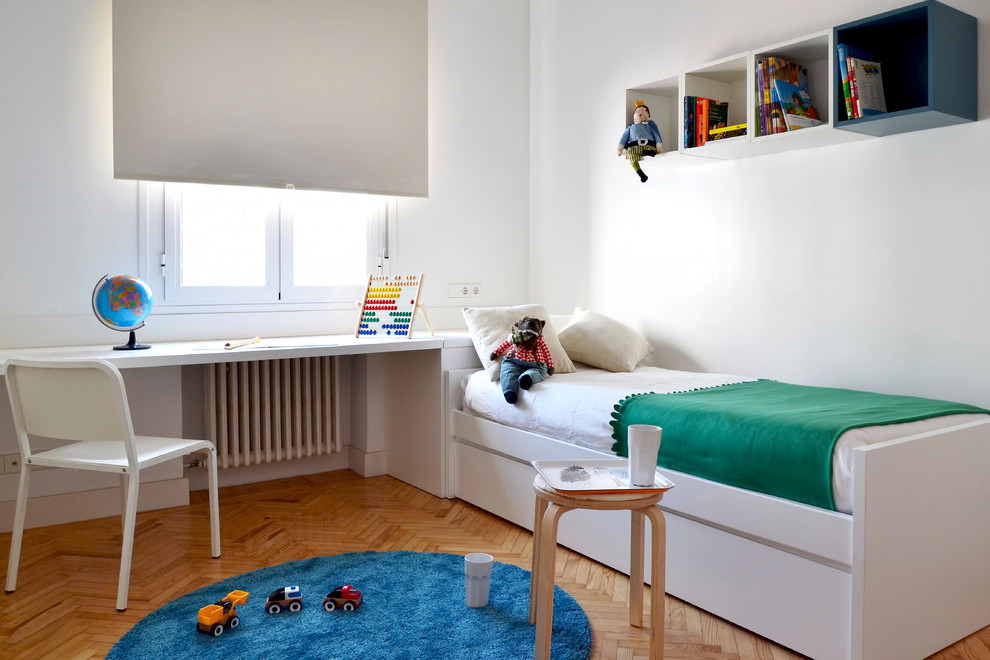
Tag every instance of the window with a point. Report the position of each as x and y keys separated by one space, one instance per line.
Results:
x=234 y=245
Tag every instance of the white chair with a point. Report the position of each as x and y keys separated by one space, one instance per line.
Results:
x=84 y=402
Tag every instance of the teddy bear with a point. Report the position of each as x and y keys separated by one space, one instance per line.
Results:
x=641 y=138
x=526 y=359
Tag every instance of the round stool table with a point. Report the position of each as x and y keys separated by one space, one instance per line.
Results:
x=551 y=504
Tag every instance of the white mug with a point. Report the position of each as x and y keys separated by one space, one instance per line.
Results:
x=644 y=447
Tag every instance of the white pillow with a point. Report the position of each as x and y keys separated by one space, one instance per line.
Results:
x=603 y=342
x=490 y=326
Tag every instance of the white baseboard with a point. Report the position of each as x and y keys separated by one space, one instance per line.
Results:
x=367 y=464
x=249 y=474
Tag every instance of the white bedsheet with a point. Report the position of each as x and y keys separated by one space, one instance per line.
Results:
x=577 y=408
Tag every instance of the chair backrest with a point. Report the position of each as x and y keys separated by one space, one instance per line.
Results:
x=79 y=400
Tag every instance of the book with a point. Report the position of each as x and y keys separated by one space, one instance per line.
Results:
x=701 y=122
x=726 y=132
x=842 y=53
x=762 y=95
x=845 y=54
x=852 y=89
x=869 y=98
x=796 y=106
x=791 y=72
x=771 y=70
x=777 y=124
x=718 y=116
x=690 y=104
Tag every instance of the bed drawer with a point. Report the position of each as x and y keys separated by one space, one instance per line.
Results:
x=818 y=534
x=760 y=588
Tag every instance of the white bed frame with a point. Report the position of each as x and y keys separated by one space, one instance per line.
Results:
x=903 y=577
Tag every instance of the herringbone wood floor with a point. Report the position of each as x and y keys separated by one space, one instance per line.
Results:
x=64 y=603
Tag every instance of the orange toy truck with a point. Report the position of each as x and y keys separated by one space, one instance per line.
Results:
x=213 y=618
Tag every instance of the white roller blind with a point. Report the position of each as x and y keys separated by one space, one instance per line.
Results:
x=320 y=94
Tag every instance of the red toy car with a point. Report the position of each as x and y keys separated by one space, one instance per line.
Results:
x=346 y=597
x=286 y=597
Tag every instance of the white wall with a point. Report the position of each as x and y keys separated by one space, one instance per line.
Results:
x=65 y=222
x=858 y=265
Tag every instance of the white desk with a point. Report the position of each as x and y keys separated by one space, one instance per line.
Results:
x=395 y=390
x=164 y=354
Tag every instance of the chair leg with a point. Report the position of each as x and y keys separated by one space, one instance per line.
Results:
x=211 y=464
x=127 y=544
x=123 y=499
x=18 y=533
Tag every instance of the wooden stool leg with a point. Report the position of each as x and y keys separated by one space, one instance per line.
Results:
x=544 y=588
x=541 y=507
x=657 y=581
x=636 y=564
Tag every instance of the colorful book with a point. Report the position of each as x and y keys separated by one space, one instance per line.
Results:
x=690 y=105
x=701 y=122
x=776 y=112
x=869 y=98
x=735 y=130
x=842 y=53
x=796 y=107
x=792 y=73
x=718 y=116
x=771 y=70
x=762 y=95
x=846 y=53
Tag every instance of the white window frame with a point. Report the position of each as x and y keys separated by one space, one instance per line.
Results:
x=157 y=236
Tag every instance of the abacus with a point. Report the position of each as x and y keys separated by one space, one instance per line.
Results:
x=389 y=306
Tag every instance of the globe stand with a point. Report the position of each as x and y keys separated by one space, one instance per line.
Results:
x=131 y=344
x=122 y=303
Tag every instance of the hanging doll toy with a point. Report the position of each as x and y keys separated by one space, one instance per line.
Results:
x=641 y=138
x=526 y=359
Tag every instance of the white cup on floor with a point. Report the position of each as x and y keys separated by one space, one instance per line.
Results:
x=477 y=578
x=644 y=447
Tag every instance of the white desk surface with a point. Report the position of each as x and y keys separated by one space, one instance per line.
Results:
x=210 y=351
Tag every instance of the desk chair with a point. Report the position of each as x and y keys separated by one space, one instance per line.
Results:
x=84 y=402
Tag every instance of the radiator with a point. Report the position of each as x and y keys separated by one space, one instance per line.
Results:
x=263 y=411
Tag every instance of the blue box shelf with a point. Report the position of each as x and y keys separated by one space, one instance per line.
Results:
x=928 y=57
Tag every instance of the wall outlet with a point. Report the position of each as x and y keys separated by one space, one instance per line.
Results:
x=463 y=290
x=11 y=463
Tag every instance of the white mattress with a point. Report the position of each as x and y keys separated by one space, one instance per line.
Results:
x=577 y=408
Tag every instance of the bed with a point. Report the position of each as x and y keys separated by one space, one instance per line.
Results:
x=900 y=571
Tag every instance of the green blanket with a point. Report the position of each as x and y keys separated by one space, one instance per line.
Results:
x=764 y=435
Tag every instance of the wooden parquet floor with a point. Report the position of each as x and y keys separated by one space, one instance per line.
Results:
x=64 y=604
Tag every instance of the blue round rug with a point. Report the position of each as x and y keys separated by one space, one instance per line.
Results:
x=413 y=609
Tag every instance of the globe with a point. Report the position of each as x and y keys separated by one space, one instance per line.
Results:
x=122 y=303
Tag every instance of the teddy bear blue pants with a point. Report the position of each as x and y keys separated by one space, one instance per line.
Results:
x=513 y=370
